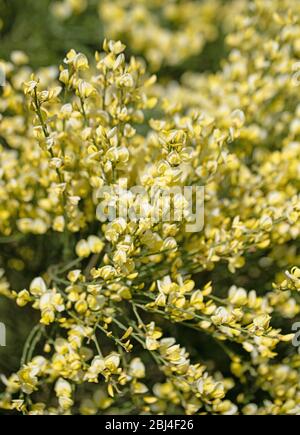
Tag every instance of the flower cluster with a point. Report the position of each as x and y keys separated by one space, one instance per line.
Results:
x=116 y=298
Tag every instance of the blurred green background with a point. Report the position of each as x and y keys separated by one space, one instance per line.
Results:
x=28 y=25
